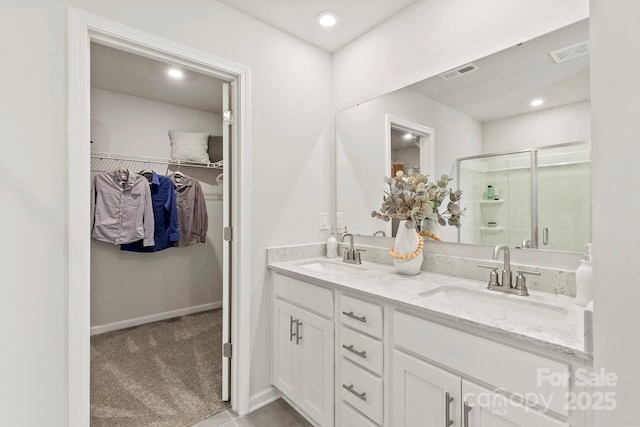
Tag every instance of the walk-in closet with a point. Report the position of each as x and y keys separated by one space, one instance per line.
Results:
x=157 y=256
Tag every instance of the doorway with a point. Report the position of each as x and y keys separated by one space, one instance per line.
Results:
x=409 y=145
x=157 y=317
x=86 y=28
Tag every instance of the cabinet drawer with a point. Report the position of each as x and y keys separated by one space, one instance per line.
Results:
x=349 y=417
x=512 y=370
x=361 y=390
x=361 y=349
x=312 y=297
x=361 y=315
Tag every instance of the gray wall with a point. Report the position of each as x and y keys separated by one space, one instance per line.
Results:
x=129 y=285
x=615 y=99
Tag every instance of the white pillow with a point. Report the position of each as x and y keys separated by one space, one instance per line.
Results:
x=189 y=146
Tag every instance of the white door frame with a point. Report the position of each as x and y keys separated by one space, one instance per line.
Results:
x=82 y=29
x=427 y=147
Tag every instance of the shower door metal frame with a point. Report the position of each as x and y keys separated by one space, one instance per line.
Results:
x=533 y=159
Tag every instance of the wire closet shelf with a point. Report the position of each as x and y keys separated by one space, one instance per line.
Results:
x=107 y=162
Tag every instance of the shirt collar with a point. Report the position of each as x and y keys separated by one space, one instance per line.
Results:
x=131 y=178
x=184 y=181
x=155 y=179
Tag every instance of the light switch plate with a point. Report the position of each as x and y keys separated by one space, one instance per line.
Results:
x=324 y=221
x=339 y=221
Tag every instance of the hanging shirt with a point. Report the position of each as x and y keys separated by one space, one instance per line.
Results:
x=192 y=211
x=122 y=208
x=165 y=216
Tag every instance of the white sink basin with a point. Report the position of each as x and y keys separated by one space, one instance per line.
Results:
x=334 y=267
x=496 y=304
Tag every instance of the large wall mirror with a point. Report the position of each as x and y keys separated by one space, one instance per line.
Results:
x=511 y=129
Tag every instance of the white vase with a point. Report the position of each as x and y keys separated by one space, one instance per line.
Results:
x=406 y=242
x=431 y=226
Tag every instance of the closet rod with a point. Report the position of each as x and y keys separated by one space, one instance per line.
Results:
x=155 y=160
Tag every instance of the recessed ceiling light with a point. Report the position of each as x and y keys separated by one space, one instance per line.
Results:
x=175 y=73
x=537 y=102
x=327 y=18
x=407 y=136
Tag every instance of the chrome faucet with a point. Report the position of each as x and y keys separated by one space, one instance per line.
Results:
x=351 y=255
x=507 y=276
x=506 y=270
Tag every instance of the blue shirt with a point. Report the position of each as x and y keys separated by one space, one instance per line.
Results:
x=165 y=214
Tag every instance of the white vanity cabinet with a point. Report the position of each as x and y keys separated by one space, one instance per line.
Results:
x=348 y=359
x=359 y=362
x=423 y=394
x=439 y=381
x=485 y=408
x=302 y=347
x=426 y=396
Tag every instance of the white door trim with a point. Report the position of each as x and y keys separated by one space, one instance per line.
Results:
x=427 y=147
x=82 y=29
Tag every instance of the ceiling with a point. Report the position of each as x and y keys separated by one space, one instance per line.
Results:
x=298 y=17
x=123 y=72
x=507 y=81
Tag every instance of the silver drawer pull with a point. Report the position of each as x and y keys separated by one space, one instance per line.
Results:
x=465 y=413
x=291 y=333
x=447 y=409
x=362 y=319
x=350 y=348
x=298 y=336
x=362 y=395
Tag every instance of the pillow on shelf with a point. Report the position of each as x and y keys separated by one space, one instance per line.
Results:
x=189 y=146
x=215 y=148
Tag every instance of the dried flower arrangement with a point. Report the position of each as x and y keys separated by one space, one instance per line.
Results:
x=413 y=198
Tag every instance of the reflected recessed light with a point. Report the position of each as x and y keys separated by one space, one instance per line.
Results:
x=537 y=102
x=175 y=73
x=407 y=136
x=327 y=18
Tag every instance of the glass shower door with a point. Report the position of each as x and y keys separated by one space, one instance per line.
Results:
x=564 y=197
x=504 y=217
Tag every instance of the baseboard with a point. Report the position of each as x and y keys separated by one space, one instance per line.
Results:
x=263 y=398
x=123 y=324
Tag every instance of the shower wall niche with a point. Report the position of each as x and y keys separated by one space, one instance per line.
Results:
x=539 y=198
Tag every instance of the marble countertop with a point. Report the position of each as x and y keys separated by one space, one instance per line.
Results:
x=560 y=328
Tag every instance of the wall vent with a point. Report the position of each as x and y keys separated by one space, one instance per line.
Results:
x=571 y=52
x=460 y=71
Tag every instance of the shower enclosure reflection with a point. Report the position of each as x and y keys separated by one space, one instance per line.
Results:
x=538 y=198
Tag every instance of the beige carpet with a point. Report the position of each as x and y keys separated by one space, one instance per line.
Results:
x=163 y=374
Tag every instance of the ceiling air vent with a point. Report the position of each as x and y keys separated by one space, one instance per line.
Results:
x=571 y=52
x=460 y=71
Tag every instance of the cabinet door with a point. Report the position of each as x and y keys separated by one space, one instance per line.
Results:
x=419 y=393
x=315 y=396
x=285 y=351
x=489 y=409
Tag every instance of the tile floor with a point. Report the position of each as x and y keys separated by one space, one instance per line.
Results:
x=276 y=414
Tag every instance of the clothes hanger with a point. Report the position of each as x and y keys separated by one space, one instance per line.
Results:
x=177 y=173
x=146 y=172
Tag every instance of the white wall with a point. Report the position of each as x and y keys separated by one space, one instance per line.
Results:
x=361 y=160
x=128 y=285
x=568 y=123
x=290 y=132
x=615 y=99
x=433 y=36
x=128 y=124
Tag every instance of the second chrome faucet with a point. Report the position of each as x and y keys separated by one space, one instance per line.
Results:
x=351 y=254
x=506 y=284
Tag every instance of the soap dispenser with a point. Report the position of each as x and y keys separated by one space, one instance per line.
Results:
x=584 y=278
x=332 y=246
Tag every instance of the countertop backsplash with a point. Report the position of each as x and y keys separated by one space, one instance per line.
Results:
x=295 y=252
x=553 y=280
